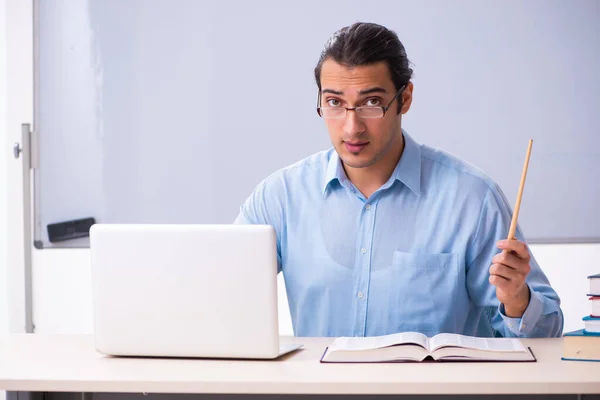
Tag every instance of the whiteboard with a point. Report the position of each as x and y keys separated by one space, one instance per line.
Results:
x=160 y=111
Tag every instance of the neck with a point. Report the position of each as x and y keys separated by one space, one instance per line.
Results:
x=368 y=179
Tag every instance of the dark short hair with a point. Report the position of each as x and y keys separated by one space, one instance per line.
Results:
x=364 y=43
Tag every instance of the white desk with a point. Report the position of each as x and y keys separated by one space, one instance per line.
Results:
x=69 y=363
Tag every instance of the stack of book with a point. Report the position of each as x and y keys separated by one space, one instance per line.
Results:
x=584 y=344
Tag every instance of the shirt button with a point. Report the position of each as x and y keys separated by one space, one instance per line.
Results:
x=368 y=206
x=360 y=295
x=363 y=250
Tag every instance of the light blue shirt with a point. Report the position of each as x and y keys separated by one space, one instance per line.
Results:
x=415 y=256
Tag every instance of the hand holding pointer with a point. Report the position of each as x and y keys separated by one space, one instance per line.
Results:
x=510 y=268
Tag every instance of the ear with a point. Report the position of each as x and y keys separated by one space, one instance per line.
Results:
x=406 y=96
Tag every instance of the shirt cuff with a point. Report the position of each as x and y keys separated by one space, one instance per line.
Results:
x=524 y=326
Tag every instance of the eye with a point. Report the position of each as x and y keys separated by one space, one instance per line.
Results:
x=373 y=102
x=333 y=102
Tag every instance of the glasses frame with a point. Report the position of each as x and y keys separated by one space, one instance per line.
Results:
x=383 y=108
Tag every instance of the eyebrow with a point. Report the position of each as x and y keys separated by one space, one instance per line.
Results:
x=373 y=90
x=362 y=92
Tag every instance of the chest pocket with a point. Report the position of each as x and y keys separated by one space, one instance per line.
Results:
x=420 y=288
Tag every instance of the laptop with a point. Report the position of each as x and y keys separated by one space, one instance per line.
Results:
x=171 y=290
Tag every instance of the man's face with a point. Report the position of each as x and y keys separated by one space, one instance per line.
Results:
x=362 y=142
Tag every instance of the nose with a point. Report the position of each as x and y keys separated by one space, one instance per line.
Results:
x=353 y=125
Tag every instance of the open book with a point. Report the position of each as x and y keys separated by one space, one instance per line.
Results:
x=414 y=346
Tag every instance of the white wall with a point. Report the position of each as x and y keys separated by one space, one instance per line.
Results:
x=4 y=152
x=63 y=304
x=61 y=286
x=19 y=109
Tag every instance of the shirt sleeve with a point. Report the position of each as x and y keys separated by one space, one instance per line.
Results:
x=264 y=207
x=543 y=316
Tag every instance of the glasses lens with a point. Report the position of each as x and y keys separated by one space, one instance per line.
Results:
x=370 y=112
x=333 y=113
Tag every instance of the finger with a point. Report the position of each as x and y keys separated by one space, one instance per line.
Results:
x=499 y=282
x=515 y=246
x=504 y=272
x=500 y=276
x=513 y=261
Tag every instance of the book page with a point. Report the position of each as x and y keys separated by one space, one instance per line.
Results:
x=489 y=344
x=462 y=353
x=374 y=342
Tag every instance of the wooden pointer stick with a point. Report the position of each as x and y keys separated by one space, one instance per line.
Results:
x=515 y=217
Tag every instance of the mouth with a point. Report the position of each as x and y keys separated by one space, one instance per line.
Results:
x=355 y=147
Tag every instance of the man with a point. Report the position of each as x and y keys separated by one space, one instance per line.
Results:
x=380 y=234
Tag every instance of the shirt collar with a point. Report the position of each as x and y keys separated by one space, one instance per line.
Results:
x=335 y=171
x=407 y=171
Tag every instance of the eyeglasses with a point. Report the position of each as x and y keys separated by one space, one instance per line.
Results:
x=363 y=111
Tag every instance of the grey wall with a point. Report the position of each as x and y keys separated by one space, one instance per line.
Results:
x=161 y=111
